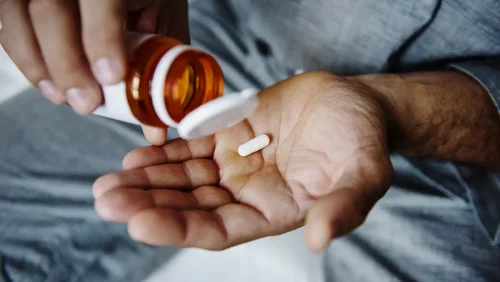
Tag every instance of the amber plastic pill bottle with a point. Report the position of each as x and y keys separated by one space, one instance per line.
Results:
x=167 y=84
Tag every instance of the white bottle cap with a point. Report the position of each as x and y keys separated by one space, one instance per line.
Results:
x=218 y=114
x=206 y=120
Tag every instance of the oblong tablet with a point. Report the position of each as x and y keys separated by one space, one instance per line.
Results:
x=254 y=145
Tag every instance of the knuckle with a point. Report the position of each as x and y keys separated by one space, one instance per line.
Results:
x=104 y=36
x=33 y=74
x=31 y=69
x=206 y=166
x=67 y=66
x=105 y=183
x=68 y=71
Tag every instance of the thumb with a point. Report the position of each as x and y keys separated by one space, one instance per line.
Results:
x=173 y=20
x=165 y=17
x=347 y=207
x=142 y=15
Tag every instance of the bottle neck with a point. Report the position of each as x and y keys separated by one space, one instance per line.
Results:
x=142 y=66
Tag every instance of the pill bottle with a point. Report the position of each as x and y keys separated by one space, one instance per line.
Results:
x=169 y=84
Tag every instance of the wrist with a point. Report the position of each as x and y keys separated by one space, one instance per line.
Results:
x=393 y=95
x=447 y=115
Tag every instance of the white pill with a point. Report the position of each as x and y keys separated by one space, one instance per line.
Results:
x=254 y=145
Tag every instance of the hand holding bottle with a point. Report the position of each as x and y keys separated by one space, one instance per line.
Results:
x=68 y=49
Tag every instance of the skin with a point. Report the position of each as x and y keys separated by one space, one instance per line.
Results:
x=203 y=194
x=328 y=162
x=68 y=49
x=327 y=166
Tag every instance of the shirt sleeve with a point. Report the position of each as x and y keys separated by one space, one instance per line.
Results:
x=483 y=185
x=486 y=72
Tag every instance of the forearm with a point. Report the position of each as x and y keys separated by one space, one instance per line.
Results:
x=445 y=115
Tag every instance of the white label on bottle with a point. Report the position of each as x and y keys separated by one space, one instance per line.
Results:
x=116 y=105
x=115 y=96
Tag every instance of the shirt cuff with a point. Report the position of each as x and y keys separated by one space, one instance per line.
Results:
x=485 y=72
x=483 y=191
x=484 y=186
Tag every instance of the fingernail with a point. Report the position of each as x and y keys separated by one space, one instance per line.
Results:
x=102 y=209
x=80 y=100
x=50 y=91
x=107 y=71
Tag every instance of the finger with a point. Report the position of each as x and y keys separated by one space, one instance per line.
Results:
x=322 y=224
x=225 y=227
x=169 y=18
x=103 y=38
x=58 y=33
x=155 y=136
x=18 y=39
x=139 y=5
x=175 y=151
x=185 y=176
x=173 y=20
x=346 y=208
x=233 y=168
x=143 y=15
x=120 y=205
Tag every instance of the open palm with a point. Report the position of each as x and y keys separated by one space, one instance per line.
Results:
x=327 y=162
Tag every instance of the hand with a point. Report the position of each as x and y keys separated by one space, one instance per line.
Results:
x=62 y=47
x=327 y=165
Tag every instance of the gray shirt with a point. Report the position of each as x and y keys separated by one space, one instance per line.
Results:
x=348 y=37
